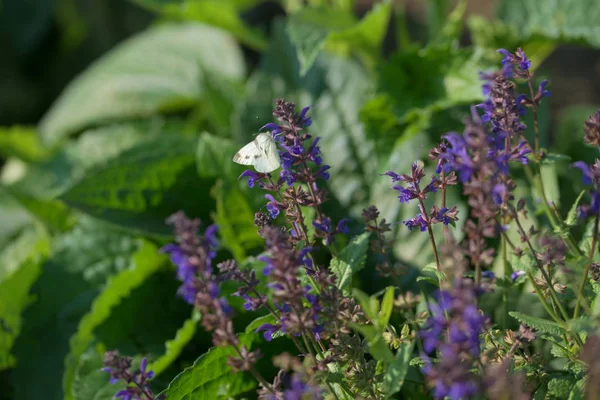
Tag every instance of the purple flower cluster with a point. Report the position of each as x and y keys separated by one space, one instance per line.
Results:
x=193 y=255
x=591 y=176
x=453 y=330
x=411 y=190
x=297 y=308
x=302 y=167
x=119 y=368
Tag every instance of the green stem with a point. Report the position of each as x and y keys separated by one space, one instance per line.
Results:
x=587 y=268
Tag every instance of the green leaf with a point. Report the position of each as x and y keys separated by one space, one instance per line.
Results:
x=377 y=346
x=21 y=142
x=571 y=219
x=452 y=28
x=539 y=324
x=431 y=79
x=91 y=382
x=387 y=306
x=560 y=388
x=31 y=242
x=578 y=391
x=221 y=14
x=142 y=186
x=567 y=21
x=159 y=70
x=214 y=157
x=258 y=322
x=14 y=297
x=235 y=218
x=393 y=379
x=553 y=158
x=53 y=213
x=310 y=29
x=144 y=263
x=370 y=305
x=210 y=377
x=350 y=260
x=525 y=263
x=173 y=348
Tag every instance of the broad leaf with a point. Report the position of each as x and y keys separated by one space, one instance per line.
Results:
x=144 y=263
x=221 y=14
x=142 y=186
x=350 y=260
x=30 y=243
x=210 y=377
x=14 y=297
x=396 y=371
x=387 y=306
x=433 y=79
x=310 y=29
x=571 y=21
x=159 y=70
x=235 y=219
x=173 y=348
x=91 y=382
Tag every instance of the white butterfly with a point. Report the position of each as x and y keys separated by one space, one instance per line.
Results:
x=261 y=153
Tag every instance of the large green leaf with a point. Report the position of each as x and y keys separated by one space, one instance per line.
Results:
x=142 y=186
x=159 y=70
x=350 y=260
x=174 y=347
x=210 y=378
x=221 y=14
x=14 y=297
x=310 y=29
x=571 y=21
x=433 y=79
x=91 y=383
x=144 y=263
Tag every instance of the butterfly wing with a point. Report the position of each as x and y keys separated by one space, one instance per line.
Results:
x=269 y=160
x=247 y=154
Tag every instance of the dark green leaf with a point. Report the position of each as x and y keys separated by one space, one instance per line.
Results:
x=431 y=79
x=144 y=263
x=14 y=297
x=210 y=377
x=235 y=219
x=142 y=186
x=350 y=260
x=395 y=373
x=159 y=70
x=173 y=348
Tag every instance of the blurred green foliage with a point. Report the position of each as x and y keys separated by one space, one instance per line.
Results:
x=150 y=128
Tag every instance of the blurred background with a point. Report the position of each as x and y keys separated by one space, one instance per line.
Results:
x=46 y=43
x=115 y=114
